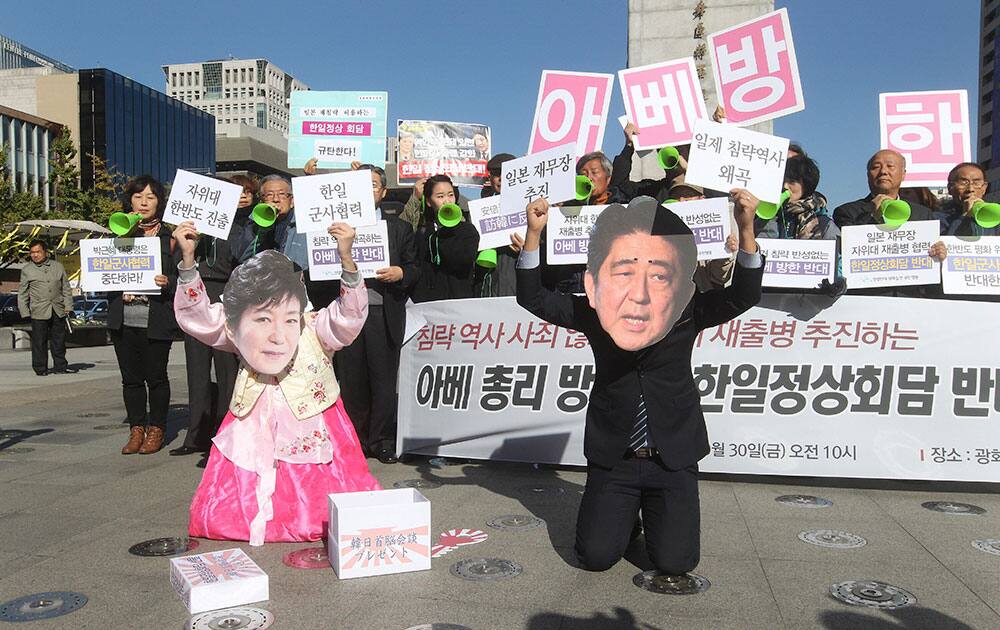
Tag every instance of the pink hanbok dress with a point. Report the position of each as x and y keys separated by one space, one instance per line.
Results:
x=286 y=442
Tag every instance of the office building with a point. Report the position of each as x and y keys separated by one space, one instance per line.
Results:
x=26 y=140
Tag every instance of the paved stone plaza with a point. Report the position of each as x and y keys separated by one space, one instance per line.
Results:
x=71 y=506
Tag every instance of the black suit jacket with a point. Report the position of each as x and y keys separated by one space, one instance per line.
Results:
x=662 y=372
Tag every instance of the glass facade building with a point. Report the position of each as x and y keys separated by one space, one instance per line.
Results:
x=14 y=55
x=138 y=130
x=26 y=139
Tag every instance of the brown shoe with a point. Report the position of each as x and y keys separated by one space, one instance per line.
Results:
x=153 y=441
x=135 y=438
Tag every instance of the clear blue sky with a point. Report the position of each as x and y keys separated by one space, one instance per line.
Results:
x=480 y=62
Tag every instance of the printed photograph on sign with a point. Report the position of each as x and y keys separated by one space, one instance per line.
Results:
x=430 y=147
x=663 y=100
x=321 y=200
x=370 y=251
x=120 y=264
x=711 y=222
x=724 y=157
x=211 y=203
x=756 y=71
x=550 y=174
x=929 y=129
x=567 y=240
x=337 y=128
x=798 y=264
x=572 y=107
x=879 y=256
x=972 y=266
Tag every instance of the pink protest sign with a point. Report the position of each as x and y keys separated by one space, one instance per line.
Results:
x=756 y=73
x=571 y=107
x=663 y=100
x=930 y=130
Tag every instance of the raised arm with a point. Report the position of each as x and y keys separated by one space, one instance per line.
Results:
x=340 y=323
x=555 y=308
x=195 y=315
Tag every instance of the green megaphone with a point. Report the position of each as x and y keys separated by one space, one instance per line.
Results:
x=987 y=214
x=767 y=210
x=449 y=215
x=583 y=187
x=122 y=223
x=487 y=259
x=668 y=157
x=895 y=212
x=264 y=215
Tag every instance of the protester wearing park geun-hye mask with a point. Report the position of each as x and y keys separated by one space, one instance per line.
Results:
x=886 y=170
x=645 y=430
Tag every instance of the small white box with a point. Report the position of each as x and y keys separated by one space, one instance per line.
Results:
x=218 y=579
x=379 y=532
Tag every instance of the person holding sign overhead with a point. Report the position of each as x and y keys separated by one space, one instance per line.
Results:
x=645 y=430
x=143 y=327
x=447 y=245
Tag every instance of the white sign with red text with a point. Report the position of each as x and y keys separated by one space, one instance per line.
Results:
x=756 y=72
x=930 y=130
x=572 y=107
x=724 y=157
x=663 y=100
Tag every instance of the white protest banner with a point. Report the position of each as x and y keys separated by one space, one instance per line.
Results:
x=798 y=264
x=756 y=72
x=572 y=107
x=878 y=256
x=211 y=203
x=930 y=130
x=567 y=239
x=120 y=264
x=494 y=225
x=370 y=252
x=724 y=157
x=710 y=221
x=972 y=266
x=550 y=174
x=868 y=387
x=663 y=100
x=335 y=197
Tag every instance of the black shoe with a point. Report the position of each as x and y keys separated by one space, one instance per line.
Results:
x=387 y=457
x=186 y=450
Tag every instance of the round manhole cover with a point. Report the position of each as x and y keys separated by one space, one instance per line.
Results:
x=311 y=558
x=93 y=414
x=542 y=489
x=110 y=427
x=872 y=594
x=952 y=507
x=438 y=626
x=232 y=619
x=422 y=484
x=656 y=582
x=804 y=500
x=515 y=521
x=16 y=450
x=832 y=538
x=163 y=546
x=486 y=569
x=41 y=606
x=988 y=546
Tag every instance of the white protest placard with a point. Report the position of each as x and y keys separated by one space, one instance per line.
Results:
x=567 y=239
x=370 y=252
x=550 y=174
x=211 y=203
x=321 y=200
x=755 y=69
x=877 y=256
x=494 y=225
x=120 y=264
x=798 y=264
x=929 y=129
x=663 y=100
x=710 y=221
x=972 y=266
x=724 y=157
x=572 y=107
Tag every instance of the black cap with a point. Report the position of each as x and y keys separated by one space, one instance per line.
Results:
x=497 y=161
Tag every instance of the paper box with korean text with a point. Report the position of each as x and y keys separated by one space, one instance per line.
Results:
x=218 y=579
x=379 y=532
